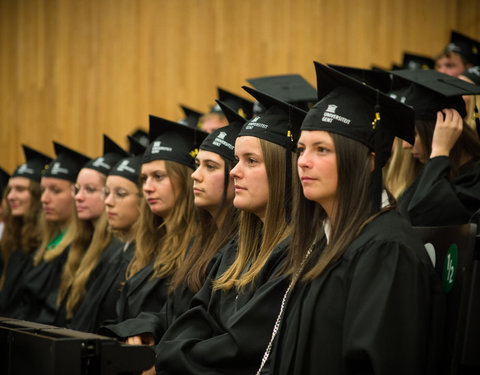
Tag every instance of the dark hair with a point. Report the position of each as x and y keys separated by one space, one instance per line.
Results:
x=467 y=145
x=353 y=210
x=208 y=240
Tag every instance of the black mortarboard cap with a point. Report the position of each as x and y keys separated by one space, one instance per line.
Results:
x=377 y=78
x=67 y=163
x=128 y=168
x=280 y=124
x=290 y=88
x=347 y=107
x=172 y=141
x=4 y=177
x=429 y=91
x=135 y=147
x=141 y=136
x=191 y=117
x=34 y=166
x=413 y=61
x=112 y=153
x=241 y=105
x=360 y=112
x=473 y=74
x=468 y=47
x=222 y=140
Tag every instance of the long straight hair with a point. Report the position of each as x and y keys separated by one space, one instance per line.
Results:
x=166 y=249
x=352 y=212
x=257 y=240
x=208 y=240
x=21 y=233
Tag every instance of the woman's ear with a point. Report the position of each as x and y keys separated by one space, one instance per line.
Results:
x=372 y=161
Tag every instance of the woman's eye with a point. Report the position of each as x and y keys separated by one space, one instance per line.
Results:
x=210 y=167
x=251 y=161
x=300 y=150
x=143 y=179
x=122 y=194
x=90 y=189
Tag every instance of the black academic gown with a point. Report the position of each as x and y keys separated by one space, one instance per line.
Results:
x=109 y=251
x=99 y=304
x=156 y=323
x=39 y=291
x=141 y=293
x=19 y=264
x=369 y=313
x=225 y=332
x=434 y=200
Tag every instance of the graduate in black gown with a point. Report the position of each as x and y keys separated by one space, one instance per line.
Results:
x=446 y=151
x=93 y=241
x=360 y=298
x=122 y=201
x=226 y=329
x=22 y=218
x=39 y=289
x=217 y=225
x=167 y=220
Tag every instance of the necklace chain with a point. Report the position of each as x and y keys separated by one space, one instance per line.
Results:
x=282 y=308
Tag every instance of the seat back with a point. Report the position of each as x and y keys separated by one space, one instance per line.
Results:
x=453 y=254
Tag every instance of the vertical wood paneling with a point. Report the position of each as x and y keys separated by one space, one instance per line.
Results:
x=72 y=70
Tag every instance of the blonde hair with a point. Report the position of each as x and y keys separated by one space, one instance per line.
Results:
x=166 y=249
x=49 y=231
x=85 y=230
x=257 y=240
x=100 y=240
x=399 y=173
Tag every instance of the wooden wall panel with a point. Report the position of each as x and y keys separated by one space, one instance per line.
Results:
x=72 y=70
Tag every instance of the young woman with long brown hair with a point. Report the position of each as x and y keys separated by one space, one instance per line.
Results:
x=226 y=329
x=167 y=221
x=22 y=229
x=445 y=155
x=360 y=295
x=217 y=225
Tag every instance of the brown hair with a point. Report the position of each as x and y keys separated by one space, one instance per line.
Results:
x=208 y=240
x=467 y=145
x=21 y=233
x=257 y=240
x=353 y=210
x=153 y=243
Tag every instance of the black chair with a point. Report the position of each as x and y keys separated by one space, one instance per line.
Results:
x=32 y=348
x=455 y=258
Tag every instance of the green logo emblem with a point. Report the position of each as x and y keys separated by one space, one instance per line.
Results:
x=450 y=268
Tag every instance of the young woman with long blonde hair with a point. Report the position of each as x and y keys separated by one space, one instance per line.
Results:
x=40 y=286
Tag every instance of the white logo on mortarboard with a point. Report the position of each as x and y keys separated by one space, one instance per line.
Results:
x=124 y=167
x=23 y=169
x=57 y=168
x=100 y=162
x=331 y=108
x=156 y=147
x=329 y=115
x=219 y=140
x=222 y=135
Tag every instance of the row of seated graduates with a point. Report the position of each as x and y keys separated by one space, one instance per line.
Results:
x=96 y=165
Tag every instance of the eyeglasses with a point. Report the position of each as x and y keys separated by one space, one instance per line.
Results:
x=87 y=190
x=117 y=194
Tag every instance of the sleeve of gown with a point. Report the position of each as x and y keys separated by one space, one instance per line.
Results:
x=199 y=343
x=438 y=201
x=387 y=313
